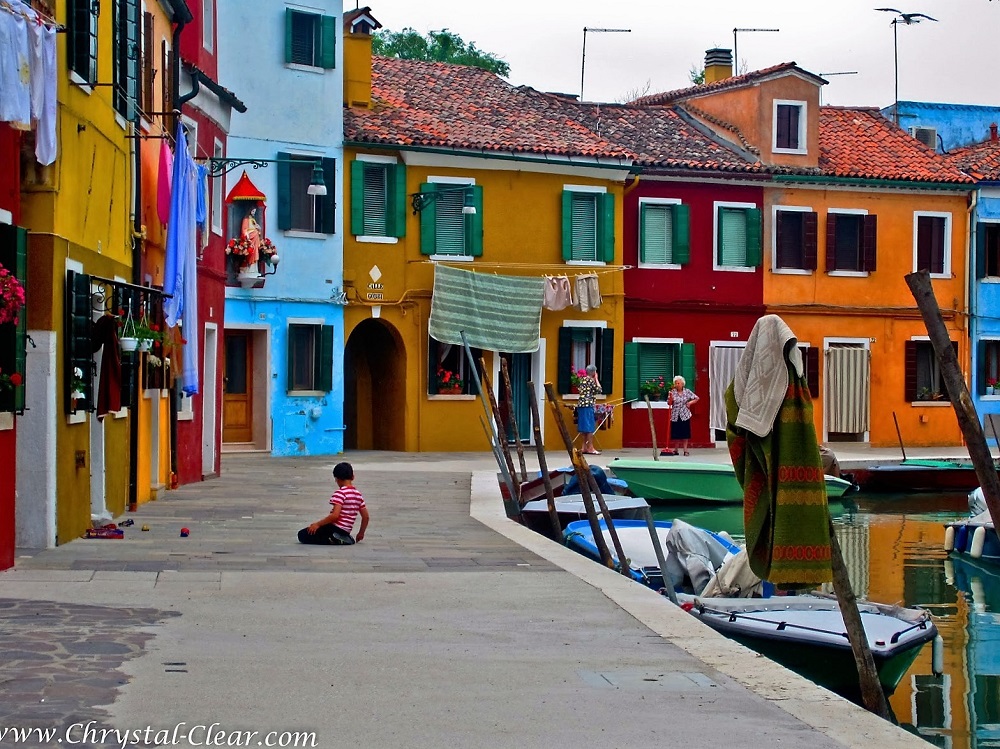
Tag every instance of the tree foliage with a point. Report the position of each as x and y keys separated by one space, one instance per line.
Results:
x=437 y=46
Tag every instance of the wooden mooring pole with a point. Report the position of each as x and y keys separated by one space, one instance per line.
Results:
x=505 y=376
x=542 y=463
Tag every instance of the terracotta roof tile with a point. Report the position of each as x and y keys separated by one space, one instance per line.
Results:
x=980 y=161
x=455 y=106
x=735 y=81
x=860 y=142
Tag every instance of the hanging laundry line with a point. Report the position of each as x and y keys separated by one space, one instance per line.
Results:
x=546 y=268
x=34 y=15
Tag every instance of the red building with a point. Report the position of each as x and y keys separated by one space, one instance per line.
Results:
x=206 y=108
x=692 y=234
x=11 y=338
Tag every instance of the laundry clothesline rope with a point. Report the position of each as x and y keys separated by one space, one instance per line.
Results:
x=48 y=21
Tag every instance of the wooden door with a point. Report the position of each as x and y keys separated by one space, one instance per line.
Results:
x=237 y=399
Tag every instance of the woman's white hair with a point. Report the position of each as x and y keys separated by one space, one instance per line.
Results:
x=681 y=380
x=591 y=369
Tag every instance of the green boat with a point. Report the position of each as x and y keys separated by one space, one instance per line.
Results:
x=681 y=481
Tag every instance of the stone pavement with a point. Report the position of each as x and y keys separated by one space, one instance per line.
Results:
x=449 y=625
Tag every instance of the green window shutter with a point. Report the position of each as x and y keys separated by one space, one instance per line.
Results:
x=754 y=256
x=981 y=251
x=474 y=224
x=285 y=188
x=631 y=371
x=428 y=222
x=656 y=360
x=21 y=329
x=329 y=212
x=324 y=361
x=328 y=42
x=732 y=237
x=357 y=197
x=289 y=34
x=78 y=338
x=564 y=359
x=656 y=224
x=450 y=236
x=688 y=370
x=567 y=228
x=606 y=227
x=396 y=176
x=608 y=360
x=132 y=58
x=680 y=234
x=584 y=234
x=376 y=200
x=13 y=338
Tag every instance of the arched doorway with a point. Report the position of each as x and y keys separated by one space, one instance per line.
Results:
x=374 y=388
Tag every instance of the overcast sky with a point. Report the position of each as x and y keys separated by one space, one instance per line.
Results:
x=953 y=60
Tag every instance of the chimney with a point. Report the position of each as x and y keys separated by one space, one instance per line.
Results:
x=358 y=27
x=718 y=65
x=993 y=131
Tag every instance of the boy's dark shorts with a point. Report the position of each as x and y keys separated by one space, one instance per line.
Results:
x=326 y=535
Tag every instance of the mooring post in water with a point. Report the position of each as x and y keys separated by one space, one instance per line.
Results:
x=588 y=502
x=899 y=435
x=661 y=558
x=872 y=694
x=652 y=427
x=543 y=466
x=958 y=393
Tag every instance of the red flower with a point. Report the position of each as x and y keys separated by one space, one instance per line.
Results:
x=15 y=379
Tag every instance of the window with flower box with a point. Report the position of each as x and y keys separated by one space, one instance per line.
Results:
x=651 y=363
x=448 y=369
x=987 y=366
x=581 y=345
x=13 y=335
x=923 y=380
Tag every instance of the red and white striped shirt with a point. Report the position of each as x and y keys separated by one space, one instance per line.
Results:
x=351 y=502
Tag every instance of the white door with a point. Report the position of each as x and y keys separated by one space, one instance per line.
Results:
x=208 y=413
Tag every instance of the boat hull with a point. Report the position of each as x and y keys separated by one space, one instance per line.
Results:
x=681 y=482
x=963 y=531
x=917 y=476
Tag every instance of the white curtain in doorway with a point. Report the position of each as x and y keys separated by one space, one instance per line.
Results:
x=848 y=385
x=721 y=370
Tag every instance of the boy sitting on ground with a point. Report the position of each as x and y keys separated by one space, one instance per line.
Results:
x=347 y=503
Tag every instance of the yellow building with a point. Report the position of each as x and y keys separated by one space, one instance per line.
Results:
x=449 y=164
x=80 y=214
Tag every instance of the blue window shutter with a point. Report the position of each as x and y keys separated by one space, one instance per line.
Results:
x=474 y=224
x=398 y=204
x=681 y=234
x=606 y=231
x=428 y=222
x=289 y=34
x=324 y=360
x=329 y=214
x=328 y=42
x=357 y=198
x=285 y=190
x=631 y=373
x=567 y=233
x=754 y=256
x=564 y=359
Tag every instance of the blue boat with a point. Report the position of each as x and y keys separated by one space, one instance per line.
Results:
x=805 y=633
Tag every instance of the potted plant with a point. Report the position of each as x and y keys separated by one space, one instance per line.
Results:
x=8 y=381
x=268 y=251
x=11 y=296
x=77 y=388
x=655 y=388
x=127 y=339
x=575 y=375
x=238 y=251
x=147 y=334
x=991 y=385
x=448 y=382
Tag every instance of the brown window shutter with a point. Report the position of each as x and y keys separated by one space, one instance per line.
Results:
x=148 y=71
x=869 y=241
x=812 y=370
x=810 y=240
x=831 y=242
x=924 y=243
x=910 y=371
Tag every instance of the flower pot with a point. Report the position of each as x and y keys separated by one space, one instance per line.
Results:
x=128 y=344
x=145 y=344
x=450 y=390
x=990 y=389
x=574 y=389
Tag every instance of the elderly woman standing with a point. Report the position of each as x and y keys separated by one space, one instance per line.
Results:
x=681 y=399
x=589 y=388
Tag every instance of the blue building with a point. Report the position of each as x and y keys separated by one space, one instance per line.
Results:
x=970 y=140
x=283 y=389
x=945 y=127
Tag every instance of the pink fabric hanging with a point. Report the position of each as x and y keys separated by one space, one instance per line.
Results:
x=164 y=182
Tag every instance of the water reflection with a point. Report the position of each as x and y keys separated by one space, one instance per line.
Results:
x=892 y=546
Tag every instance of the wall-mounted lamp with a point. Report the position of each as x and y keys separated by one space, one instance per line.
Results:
x=420 y=200
x=223 y=165
x=271 y=260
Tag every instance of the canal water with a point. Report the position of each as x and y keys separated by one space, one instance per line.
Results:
x=893 y=548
